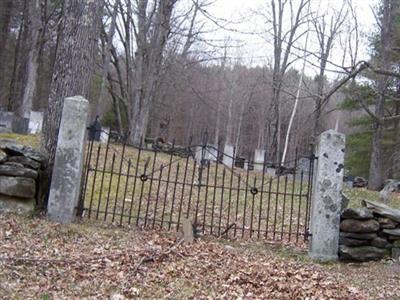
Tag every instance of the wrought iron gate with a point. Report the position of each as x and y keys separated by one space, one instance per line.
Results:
x=157 y=187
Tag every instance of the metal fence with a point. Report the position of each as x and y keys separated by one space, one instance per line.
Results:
x=157 y=187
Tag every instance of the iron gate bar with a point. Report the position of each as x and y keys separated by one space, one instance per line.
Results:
x=166 y=189
x=237 y=206
x=109 y=187
x=183 y=192
x=94 y=179
x=268 y=208
x=213 y=198
x=158 y=194
x=102 y=178
x=141 y=194
x=206 y=197
x=125 y=191
x=276 y=208
x=230 y=190
x=284 y=208
x=245 y=202
x=298 y=219
x=252 y=209
x=292 y=196
x=191 y=190
x=151 y=185
x=173 y=197
x=221 y=203
x=134 y=182
x=261 y=198
x=118 y=181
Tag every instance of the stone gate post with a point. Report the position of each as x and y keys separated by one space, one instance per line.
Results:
x=68 y=163
x=326 y=200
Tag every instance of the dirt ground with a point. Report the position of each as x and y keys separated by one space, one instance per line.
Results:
x=44 y=260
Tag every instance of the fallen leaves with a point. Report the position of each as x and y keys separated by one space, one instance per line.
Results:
x=39 y=259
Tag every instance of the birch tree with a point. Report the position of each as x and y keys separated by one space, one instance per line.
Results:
x=284 y=38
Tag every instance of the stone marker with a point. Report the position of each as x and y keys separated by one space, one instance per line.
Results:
x=67 y=170
x=187 y=230
x=6 y=121
x=227 y=158
x=326 y=201
x=35 y=122
x=105 y=133
x=259 y=155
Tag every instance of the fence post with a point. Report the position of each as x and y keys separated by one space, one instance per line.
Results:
x=68 y=163
x=326 y=199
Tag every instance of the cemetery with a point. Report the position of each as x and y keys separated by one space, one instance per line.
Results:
x=199 y=149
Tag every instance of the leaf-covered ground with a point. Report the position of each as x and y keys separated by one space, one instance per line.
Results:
x=43 y=260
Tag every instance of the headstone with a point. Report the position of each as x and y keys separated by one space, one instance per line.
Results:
x=259 y=156
x=6 y=121
x=271 y=171
x=198 y=154
x=327 y=196
x=35 y=122
x=105 y=133
x=95 y=130
x=212 y=153
x=20 y=125
x=68 y=164
x=227 y=159
x=207 y=153
x=187 y=229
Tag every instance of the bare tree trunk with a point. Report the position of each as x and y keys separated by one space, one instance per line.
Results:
x=74 y=63
x=34 y=24
x=5 y=11
x=13 y=96
x=376 y=167
x=107 y=59
x=148 y=59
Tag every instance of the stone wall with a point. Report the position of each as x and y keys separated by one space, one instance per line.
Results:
x=22 y=177
x=369 y=233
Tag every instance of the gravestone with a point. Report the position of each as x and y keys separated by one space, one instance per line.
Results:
x=207 y=153
x=271 y=171
x=95 y=130
x=68 y=163
x=20 y=125
x=303 y=166
x=105 y=133
x=227 y=159
x=212 y=153
x=35 y=122
x=259 y=155
x=6 y=121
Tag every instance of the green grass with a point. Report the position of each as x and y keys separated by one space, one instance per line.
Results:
x=32 y=140
x=356 y=195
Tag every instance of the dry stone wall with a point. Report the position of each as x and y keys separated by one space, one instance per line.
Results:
x=369 y=233
x=22 y=177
